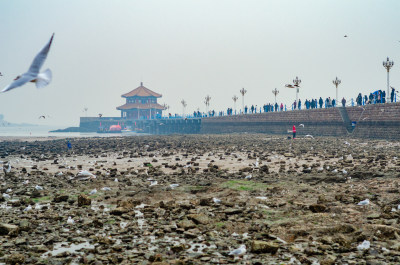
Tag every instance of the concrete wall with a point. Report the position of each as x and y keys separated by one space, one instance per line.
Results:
x=380 y=121
x=165 y=126
x=373 y=121
x=316 y=122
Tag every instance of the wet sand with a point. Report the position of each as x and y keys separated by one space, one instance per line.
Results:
x=193 y=199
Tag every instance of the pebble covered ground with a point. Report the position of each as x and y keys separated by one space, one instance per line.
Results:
x=195 y=199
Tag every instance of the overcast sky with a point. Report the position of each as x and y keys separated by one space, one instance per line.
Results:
x=187 y=49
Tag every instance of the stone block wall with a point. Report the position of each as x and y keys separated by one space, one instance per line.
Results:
x=380 y=121
x=316 y=122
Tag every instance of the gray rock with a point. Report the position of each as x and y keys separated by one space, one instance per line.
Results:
x=8 y=229
x=258 y=246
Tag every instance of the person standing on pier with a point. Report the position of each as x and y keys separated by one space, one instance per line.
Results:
x=344 y=102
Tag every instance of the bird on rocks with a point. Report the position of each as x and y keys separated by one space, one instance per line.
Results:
x=27 y=209
x=70 y=221
x=364 y=202
x=38 y=187
x=8 y=169
x=248 y=176
x=6 y=196
x=94 y=191
x=238 y=252
x=364 y=245
x=40 y=79
x=153 y=183
x=216 y=200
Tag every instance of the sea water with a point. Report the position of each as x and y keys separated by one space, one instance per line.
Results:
x=44 y=131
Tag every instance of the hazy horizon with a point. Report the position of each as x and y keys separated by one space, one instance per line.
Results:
x=190 y=49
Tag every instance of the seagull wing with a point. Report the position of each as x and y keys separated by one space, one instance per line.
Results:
x=40 y=58
x=25 y=78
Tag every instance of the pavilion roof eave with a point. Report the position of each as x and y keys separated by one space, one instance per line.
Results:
x=131 y=106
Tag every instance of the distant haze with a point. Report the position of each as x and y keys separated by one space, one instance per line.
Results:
x=187 y=49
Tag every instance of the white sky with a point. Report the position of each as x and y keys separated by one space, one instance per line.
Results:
x=187 y=49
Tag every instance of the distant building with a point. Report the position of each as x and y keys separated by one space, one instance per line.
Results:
x=141 y=103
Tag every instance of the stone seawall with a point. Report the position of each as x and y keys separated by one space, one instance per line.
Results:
x=156 y=126
x=372 y=121
x=380 y=121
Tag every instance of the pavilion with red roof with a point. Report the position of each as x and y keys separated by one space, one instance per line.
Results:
x=141 y=103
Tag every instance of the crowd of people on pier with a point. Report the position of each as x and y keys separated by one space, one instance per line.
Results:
x=376 y=97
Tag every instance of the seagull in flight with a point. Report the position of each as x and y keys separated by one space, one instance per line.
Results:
x=1 y=74
x=345 y=36
x=41 y=79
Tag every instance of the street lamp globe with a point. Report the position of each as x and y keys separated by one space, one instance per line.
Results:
x=388 y=64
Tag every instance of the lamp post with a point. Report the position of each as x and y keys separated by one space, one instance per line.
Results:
x=207 y=102
x=166 y=107
x=183 y=102
x=296 y=83
x=337 y=82
x=388 y=64
x=234 y=102
x=275 y=92
x=243 y=91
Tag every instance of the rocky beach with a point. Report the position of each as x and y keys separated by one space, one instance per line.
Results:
x=195 y=199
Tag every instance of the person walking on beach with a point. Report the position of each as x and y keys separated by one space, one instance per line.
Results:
x=69 y=145
x=294 y=131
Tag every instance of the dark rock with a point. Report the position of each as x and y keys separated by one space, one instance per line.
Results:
x=318 y=208
x=61 y=198
x=84 y=200
x=15 y=259
x=119 y=211
x=8 y=229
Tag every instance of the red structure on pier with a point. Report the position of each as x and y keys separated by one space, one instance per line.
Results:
x=141 y=103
